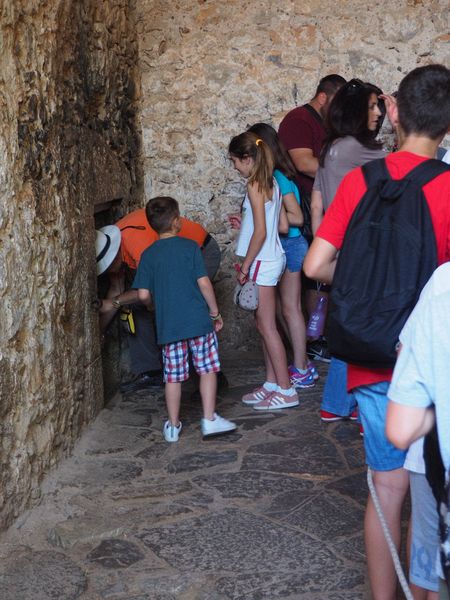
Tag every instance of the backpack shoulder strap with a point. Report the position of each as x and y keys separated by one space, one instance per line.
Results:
x=375 y=171
x=427 y=170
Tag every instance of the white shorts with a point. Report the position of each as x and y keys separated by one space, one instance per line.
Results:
x=268 y=272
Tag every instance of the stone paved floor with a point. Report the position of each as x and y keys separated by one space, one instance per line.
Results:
x=273 y=511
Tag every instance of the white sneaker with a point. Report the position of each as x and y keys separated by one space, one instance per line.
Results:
x=171 y=432
x=216 y=426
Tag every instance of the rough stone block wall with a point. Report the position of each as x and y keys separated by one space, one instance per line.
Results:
x=68 y=140
x=210 y=69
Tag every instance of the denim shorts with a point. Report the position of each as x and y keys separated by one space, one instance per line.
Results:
x=295 y=249
x=372 y=401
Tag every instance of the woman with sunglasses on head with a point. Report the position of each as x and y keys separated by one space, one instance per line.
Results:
x=353 y=121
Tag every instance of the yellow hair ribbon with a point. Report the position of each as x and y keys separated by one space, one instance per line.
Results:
x=258 y=141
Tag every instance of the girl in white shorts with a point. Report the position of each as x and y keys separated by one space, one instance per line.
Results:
x=263 y=260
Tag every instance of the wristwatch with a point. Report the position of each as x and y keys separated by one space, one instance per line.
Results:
x=116 y=303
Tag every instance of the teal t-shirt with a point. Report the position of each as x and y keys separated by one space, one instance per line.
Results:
x=287 y=186
x=169 y=268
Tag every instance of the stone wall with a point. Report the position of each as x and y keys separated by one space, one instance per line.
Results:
x=211 y=68
x=68 y=141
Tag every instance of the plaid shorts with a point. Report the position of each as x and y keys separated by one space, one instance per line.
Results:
x=205 y=357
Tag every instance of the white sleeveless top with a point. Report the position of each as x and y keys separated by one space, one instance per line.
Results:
x=271 y=249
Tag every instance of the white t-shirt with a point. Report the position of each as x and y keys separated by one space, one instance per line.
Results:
x=446 y=157
x=414 y=460
x=422 y=372
x=271 y=249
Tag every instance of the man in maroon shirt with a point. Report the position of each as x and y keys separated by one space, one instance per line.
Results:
x=302 y=132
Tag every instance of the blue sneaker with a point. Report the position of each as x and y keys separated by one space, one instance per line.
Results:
x=301 y=380
x=310 y=366
x=171 y=432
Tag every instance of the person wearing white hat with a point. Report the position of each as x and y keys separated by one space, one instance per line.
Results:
x=145 y=359
x=107 y=245
x=109 y=261
x=124 y=255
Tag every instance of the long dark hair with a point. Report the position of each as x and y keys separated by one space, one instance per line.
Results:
x=348 y=115
x=249 y=144
x=282 y=159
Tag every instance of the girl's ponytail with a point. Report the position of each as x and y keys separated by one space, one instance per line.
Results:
x=281 y=157
x=249 y=144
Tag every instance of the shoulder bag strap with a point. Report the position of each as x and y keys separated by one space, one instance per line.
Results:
x=313 y=112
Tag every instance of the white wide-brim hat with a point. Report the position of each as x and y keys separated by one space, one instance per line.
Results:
x=107 y=244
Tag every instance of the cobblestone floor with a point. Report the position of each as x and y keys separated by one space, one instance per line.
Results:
x=273 y=511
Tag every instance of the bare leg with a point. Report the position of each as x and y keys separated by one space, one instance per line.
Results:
x=391 y=487
x=283 y=329
x=173 y=398
x=310 y=302
x=290 y=288
x=267 y=327
x=208 y=388
x=270 y=372
x=420 y=593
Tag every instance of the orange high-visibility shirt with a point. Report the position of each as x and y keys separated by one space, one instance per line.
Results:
x=137 y=235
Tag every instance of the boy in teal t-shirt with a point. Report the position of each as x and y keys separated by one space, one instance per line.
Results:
x=172 y=272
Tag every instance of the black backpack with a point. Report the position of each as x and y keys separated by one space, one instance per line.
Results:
x=388 y=254
x=305 y=205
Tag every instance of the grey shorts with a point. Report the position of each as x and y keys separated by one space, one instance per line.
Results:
x=425 y=535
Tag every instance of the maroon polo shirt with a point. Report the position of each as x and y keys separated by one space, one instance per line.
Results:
x=303 y=127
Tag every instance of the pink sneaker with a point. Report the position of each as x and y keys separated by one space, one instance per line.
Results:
x=276 y=401
x=256 y=396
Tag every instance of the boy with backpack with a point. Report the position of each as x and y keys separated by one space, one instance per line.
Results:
x=387 y=260
x=172 y=272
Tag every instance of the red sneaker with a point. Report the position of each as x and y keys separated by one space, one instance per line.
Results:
x=361 y=430
x=354 y=415
x=328 y=417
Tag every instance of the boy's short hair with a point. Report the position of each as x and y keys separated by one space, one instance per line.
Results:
x=330 y=84
x=423 y=101
x=160 y=212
